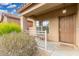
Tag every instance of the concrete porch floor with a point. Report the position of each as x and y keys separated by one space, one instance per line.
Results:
x=59 y=49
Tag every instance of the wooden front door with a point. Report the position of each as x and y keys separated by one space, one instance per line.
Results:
x=67 y=29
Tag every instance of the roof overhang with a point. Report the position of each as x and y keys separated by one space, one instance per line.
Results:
x=25 y=5
x=41 y=8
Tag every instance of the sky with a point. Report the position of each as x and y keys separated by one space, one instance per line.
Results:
x=10 y=7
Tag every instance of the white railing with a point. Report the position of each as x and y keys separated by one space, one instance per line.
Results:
x=40 y=36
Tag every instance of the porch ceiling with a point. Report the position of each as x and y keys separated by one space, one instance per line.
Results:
x=42 y=8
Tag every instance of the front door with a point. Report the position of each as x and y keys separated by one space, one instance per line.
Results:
x=67 y=29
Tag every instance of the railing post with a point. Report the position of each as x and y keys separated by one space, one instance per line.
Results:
x=45 y=39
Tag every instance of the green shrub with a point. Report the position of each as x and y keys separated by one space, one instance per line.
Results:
x=18 y=44
x=8 y=28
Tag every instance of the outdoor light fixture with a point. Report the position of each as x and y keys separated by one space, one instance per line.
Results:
x=64 y=11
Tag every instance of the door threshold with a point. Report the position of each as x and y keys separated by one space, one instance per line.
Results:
x=68 y=44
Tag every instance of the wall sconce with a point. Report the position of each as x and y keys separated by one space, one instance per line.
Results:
x=64 y=11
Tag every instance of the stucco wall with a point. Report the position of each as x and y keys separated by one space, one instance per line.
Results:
x=5 y=19
x=0 y=17
x=53 y=29
x=77 y=27
x=13 y=20
x=25 y=24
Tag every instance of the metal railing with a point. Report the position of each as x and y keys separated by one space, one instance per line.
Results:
x=40 y=36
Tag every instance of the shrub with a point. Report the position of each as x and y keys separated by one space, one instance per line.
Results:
x=9 y=27
x=18 y=44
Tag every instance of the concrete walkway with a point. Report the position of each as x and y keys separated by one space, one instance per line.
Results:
x=56 y=49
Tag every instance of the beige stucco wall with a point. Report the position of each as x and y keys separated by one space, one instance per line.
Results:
x=53 y=34
x=13 y=20
x=0 y=17
x=5 y=19
x=77 y=27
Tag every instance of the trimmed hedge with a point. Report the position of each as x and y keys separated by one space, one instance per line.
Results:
x=9 y=27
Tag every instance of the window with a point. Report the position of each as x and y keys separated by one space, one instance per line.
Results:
x=45 y=25
x=42 y=25
x=30 y=23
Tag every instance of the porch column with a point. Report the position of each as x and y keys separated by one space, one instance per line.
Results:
x=21 y=22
